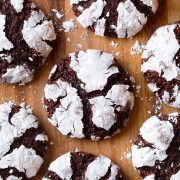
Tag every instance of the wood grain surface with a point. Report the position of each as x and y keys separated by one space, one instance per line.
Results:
x=116 y=147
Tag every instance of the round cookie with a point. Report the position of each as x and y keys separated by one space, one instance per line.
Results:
x=121 y=18
x=23 y=145
x=88 y=95
x=161 y=64
x=25 y=34
x=80 y=165
x=156 y=153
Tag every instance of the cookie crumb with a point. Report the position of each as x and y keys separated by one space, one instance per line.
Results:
x=137 y=48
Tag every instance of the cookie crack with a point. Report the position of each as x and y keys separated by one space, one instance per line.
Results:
x=38 y=146
x=51 y=174
x=14 y=110
x=5 y=173
x=143 y=8
x=79 y=164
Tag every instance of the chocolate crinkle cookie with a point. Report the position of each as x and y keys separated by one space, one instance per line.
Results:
x=161 y=64
x=156 y=151
x=25 y=36
x=88 y=95
x=23 y=145
x=80 y=165
x=121 y=18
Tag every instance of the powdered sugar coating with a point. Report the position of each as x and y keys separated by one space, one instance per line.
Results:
x=121 y=101
x=17 y=4
x=68 y=116
x=79 y=108
x=146 y=156
x=152 y=149
x=99 y=167
x=18 y=74
x=4 y=42
x=94 y=61
x=158 y=133
x=104 y=117
x=160 y=58
x=14 y=126
x=36 y=34
x=92 y=14
x=65 y=167
x=129 y=20
x=107 y=119
x=24 y=160
x=62 y=166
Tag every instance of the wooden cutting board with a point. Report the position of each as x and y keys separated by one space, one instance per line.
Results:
x=118 y=147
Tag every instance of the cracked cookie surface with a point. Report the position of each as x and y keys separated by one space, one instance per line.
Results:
x=156 y=153
x=23 y=145
x=121 y=18
x=26 y=34
x=161 y=64
x=88 y=95
x=80 y=165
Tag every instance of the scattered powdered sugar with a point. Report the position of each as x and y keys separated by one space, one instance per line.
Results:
x=68 y=26
x=138 y=89
x=58 y=14
x=137 y=48
x=127 y=155
x=114 y=44
x=79 y=46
